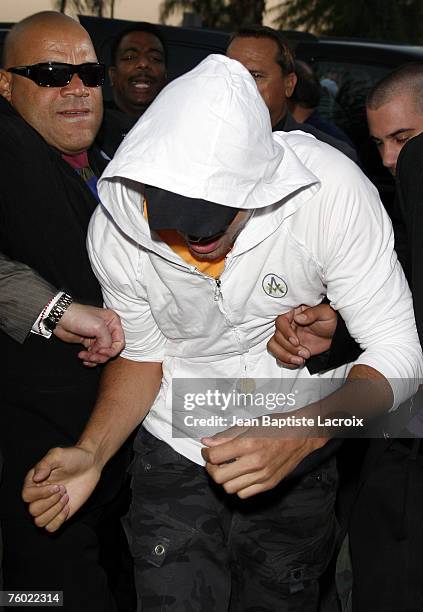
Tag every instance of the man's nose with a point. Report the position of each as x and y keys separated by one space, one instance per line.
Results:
x=389 y=157
x=75 y=88
x=143 y=62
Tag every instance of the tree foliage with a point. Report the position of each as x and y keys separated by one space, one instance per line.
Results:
x=394 y=20
x=102 y=8
x=225 y=14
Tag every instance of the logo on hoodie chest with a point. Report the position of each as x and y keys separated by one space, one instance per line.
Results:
x=274 y=286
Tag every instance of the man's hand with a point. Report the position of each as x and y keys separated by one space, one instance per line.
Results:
x=59 y=484
x=302 y=333
x=127 y=392
x=247 y=463
x=98 y=329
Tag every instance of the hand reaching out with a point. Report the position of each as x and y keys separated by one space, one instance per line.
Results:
x=302 y=333
x=59 y=485
x=99 y=330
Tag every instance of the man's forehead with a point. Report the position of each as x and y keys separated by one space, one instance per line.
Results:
x=253 y=49
x=82 y=47
x=397 y=115
x=136 y=39
x=43 y=43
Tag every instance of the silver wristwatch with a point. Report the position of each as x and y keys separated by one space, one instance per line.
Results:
x=57 y=312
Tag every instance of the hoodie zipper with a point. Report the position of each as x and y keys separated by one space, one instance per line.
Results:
x=217 y=291
x=218 y=298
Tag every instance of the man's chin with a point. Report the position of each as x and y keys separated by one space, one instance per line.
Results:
x=206 y=249
x=140 y=102
x=71 y=143
x=213 y=256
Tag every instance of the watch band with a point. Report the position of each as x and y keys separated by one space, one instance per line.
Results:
x=57 y=312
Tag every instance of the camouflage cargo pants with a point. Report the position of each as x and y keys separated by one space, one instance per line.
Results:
x=197 y=549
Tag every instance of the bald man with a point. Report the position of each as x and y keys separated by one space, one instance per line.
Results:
x=50 y=112
x=19 y=310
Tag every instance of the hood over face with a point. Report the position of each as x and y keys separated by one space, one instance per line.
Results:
x=206 y=136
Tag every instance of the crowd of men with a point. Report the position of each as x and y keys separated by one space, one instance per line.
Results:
x=204 y=248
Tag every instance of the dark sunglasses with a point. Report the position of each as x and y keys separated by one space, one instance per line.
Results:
x=57 y=74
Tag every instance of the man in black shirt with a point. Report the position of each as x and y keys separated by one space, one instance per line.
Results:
x=138 y=70
x=137 y=74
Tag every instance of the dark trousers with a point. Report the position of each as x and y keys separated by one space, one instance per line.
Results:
x=198 y=549
x=68 y=561
x=74 y=559
x=386 y=534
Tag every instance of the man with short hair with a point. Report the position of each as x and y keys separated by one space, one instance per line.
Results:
x=210 y=226
x=51 y=109
x=137 y=75
x=270 y=61
x=395 y=111
x=138 y=69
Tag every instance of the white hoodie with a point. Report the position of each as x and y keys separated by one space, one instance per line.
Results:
x=326 y=233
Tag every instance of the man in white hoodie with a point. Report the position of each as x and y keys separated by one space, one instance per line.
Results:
x=210 y=227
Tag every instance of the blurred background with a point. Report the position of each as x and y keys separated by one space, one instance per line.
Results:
x=349 y=44
x=390 y=20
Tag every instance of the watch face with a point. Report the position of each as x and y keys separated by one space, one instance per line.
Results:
x=49 y=323
x=56 y=313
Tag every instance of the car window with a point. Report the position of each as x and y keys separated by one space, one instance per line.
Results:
x=345 y=87
x=184 y=57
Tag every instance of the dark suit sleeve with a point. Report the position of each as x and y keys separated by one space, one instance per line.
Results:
x=409 y=204
x=401 y=242
x=23 y=294
x=343 y=349
x=409 y=193
x=407 y=180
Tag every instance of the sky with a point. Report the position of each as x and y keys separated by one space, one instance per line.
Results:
x=141 y=10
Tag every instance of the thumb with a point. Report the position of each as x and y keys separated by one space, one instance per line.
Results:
x=43 y=469
x=307 y=317
x=285 y=317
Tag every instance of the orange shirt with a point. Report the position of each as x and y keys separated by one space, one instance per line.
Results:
x=177 y=244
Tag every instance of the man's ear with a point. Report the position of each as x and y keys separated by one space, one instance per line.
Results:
x=6 y=84
x=290 y=82
x=112 y=72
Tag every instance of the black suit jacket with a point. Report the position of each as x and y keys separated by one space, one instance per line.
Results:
x=288 y=124
x=23 y=292
x=409 y=205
